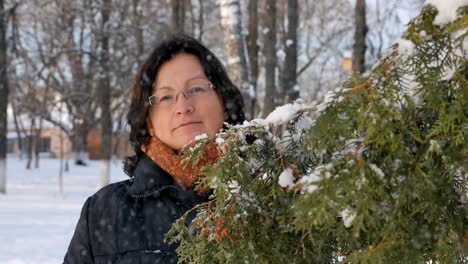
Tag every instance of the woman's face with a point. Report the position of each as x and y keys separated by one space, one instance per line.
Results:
x=177 y=123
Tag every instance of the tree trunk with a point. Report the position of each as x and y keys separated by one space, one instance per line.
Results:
x=105 y=94
x=61 y=168
x=31 y=145
x=235 y=50
x=37 y=142
x=81 y=84
x=291 y=89
x=118 y=135
x=17 y=129
x=359 y=47
x=201 y=20
x=192 y=18
x=178 y=16
x=138 y=31
x=252 y=48
x=80 y=129
x=4 y=91
x=269 y=50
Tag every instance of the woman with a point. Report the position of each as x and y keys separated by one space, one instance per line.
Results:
x=181 y=91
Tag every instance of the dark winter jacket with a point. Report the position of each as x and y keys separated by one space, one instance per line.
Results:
x=126 y=222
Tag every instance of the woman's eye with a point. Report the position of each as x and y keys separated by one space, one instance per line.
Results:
x=196 y=90
x=165 y=98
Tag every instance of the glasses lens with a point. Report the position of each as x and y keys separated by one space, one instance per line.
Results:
x=198 y=89
x=167 y=97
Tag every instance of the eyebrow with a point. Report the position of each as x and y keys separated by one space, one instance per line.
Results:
x=171 y=88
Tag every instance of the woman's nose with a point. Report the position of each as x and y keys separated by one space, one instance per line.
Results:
x=183 y=104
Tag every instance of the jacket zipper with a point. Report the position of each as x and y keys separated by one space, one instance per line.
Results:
x=154 y=192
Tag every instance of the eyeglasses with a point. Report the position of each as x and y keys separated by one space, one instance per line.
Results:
x=168 y=97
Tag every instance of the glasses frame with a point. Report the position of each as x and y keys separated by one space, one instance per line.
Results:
x=184 y=92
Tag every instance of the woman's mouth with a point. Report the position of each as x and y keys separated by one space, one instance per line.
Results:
x=186 y=124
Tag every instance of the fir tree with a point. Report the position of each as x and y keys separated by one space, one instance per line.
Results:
x=375 y=174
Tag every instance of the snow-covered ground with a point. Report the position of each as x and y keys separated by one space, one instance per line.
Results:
x=36 y=220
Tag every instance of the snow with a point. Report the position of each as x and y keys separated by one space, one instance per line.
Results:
x=13 y=134
x=3 y=168
x=327 y=100
x=233 y=187
x=377 y=170
x=348 y=217
x=254 y=164
x=36 y=221
x=308 y=181
x=447 y=10
x=434 y=146
x=464 y=47
x=230 y=13
x=284 y=113
x=233 y=60
x=461 y=49
x=251 y=91
x=201 y=136
x=259 y=142
x=280 y=54
x=405 y=47
x=353 y=145
x=219 y=141
x=410 y=88
x=286 y=178
x=281 y=115
x=347 y=54
x=304 y=123
x=448 y=74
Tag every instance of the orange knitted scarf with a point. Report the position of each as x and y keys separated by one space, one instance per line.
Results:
x=171 y=162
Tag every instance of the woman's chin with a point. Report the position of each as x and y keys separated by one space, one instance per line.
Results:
x=189 y=139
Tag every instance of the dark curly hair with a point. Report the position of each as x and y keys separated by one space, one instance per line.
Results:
x=143 y=88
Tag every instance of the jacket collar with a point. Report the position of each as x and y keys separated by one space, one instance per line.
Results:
x=149 y=179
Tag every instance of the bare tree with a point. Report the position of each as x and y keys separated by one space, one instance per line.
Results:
x=269 y=51
x=201 y=20
x=31 y=142
x=235 y=49
x=289 y=85
x=64 y=53
x=18 y=131
x=359 y=47
x=382 y=16
x=38 y=131
x=252 y=48
x=138 y=30
x=105 y=95
x=4 y=91
x=326 y=32
x=38 y=143
x=81 y=58
x=178 y=15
